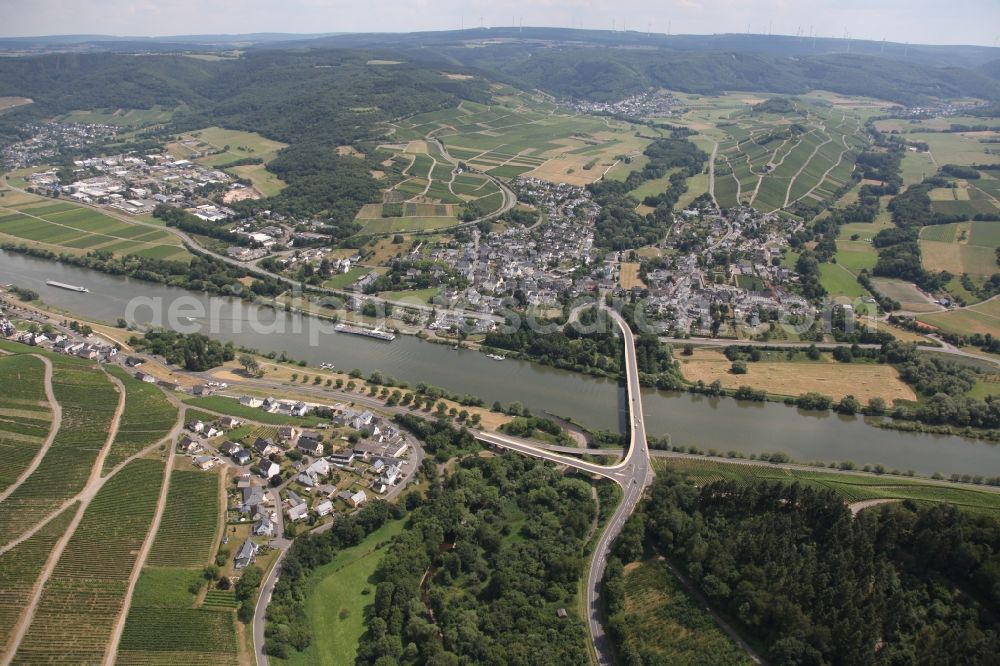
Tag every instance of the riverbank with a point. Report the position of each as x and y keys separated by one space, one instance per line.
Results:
x=691 y=419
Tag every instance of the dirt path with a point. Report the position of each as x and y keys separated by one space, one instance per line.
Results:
x=826 y=173
x=53 y=430
x=94 y=481
x=110 y=237
x=93 y=484
x=858 y=507
x=711 y=172
x=791 y=183
x=84 y=498
x=28 y=612
x=111 y=650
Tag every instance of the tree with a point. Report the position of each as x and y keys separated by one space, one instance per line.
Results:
x=739 y=367
x=250 y=365
x=848 y=405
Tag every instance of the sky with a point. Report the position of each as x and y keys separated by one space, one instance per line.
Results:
x=914 y=21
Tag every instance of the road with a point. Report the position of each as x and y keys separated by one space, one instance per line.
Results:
x=632 y=474
x=192 y=245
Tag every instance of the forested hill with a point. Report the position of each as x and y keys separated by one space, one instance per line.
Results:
x=331 y=96
x=775 y=45
x=608 y=74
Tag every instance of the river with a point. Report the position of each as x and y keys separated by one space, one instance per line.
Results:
x=720 y=423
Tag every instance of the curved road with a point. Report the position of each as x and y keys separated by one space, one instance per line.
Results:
x=633 y=474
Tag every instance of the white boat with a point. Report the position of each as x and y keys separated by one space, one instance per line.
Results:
x=71 y=287
x=497 y=357
x=327 y=366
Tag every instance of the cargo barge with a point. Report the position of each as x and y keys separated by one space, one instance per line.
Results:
x=71 y=287
x=378 y=334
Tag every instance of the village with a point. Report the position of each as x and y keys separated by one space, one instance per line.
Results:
x=282 y=476
x=650 y=104
x=717 y=267
x=48 y=141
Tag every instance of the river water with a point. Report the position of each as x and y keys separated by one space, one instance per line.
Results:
x=721 y=423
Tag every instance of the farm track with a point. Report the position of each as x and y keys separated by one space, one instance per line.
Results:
x=791 y=183
x=111 y=238
x=116 y=633
x=826 y=174
x=56 y=416
x=711 y=172
x=84 y=498
x=94 y=484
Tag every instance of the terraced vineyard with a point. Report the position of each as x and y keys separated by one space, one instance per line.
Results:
x=88 y=402
x=518 y=134
x=186 y=535
x=433 y=194
x=84 y=595
x=148 y=418
x=770 y=161
x=25 y=416
x=19 y=569
x=851 y=487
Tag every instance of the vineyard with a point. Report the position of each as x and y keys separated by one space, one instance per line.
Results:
x=178 y=636
x=850 y=487
x=665 y=625
x=84 y=595
x=19 y=569
x=186 y=535
x=163 y=626
x=25 y=415
x=88 y=402
x=148 y=418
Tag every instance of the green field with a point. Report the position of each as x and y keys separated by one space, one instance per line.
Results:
x=424 y=295
x=962 y=247
x=84 y=596
x=905 y=293
x=388 y=225
x=179 y=636
x=839 y=281
x=186 y=537
x=147 y=419
x=234 y=408
x=163 y=624
x=954 y=148
x=25 y=416
x=856 y=255
x=220 y=146
x=338 y=586
x=667 y=626
x=916 y=167
x=88 y=402
x=850 y=487
x=981 y=318
x=77 y=229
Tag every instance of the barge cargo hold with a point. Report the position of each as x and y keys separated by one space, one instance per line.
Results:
x=71 y=287
x=366 y=332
